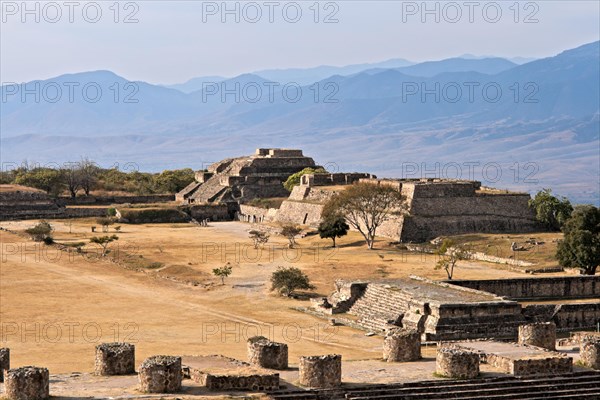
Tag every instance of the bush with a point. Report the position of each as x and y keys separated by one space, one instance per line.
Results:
x=40 y=232
x=287 y=280
x=111 y=212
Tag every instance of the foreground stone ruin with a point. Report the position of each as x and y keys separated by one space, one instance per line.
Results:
x=321 y=371
x=401 y=345
x=4 y=362
x=160 y=374
x=540 y=334
x=519 y=360
x=457 y=363
x=576 y=386
x=115 y=359
x=590 y=352
x=27 y=383
x=446 y=311
x=267 y=354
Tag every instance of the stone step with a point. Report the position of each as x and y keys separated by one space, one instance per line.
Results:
x=474 y=390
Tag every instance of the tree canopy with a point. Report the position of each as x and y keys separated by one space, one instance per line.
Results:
x=581 y=244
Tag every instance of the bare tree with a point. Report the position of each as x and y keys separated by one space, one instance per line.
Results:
x=72 y=177
x=88 y=174
x=365 y=206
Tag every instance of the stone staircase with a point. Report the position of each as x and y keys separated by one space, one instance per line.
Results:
x=379 y=307
x=580 y=386
x=209 y=191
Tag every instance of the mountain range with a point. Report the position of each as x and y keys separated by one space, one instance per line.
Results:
x=514 y=126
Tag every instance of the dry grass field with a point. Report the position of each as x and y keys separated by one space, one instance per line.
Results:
x=156 y=289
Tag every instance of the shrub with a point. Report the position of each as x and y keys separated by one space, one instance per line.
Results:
x=40 y=232
x=287 y=280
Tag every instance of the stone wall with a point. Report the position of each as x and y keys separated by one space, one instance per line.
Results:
x=539 y=334
x=301 y=213
x=252 y=382
x=590 y=352
x=569 y=287
x=254 y=214
x=213 y=212
x=27 y=383
x=107 y=200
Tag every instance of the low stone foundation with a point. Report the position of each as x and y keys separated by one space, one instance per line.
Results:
x=540 y=334
x=267 y=354
x=456 y=363
x=4 y=362
x=115 y=359
x=27 y=383
x=255 y=383
x=402 y=345
x=321 y=371
x=590 y=352
x=160 y=374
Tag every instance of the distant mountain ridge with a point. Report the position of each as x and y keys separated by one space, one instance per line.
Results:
x=547 y=113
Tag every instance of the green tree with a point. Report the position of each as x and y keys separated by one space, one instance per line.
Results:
x=173 y=181
x=332 y=227
x=103 y=242
x=287 y=280
x=290 y=232
x=223 y=272
x=105 y=222
x=365 y=206
x=294 y=179
x=259 y=238
x=47 y=179
x=40 y=232
x=581 y=244
x=450 y=253
x=550 y=210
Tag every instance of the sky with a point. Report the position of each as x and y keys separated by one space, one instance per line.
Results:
x=172 y=41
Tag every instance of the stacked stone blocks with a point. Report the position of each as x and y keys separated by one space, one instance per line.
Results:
x=115 y=359
x=267 y=354
x=160 y=374
x=321 y=372
x=27 y=383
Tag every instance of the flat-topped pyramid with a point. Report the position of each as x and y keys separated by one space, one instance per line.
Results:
x=260 y=175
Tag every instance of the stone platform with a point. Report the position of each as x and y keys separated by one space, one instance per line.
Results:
x=519 y=360
x=220 y=373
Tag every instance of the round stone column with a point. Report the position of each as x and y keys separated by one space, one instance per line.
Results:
x=160 y=374
x=4 y=361
x=539 y=334
x=267 y=354
x=27 y=383
x=456 y=363
x=401 y=345
x=321 y=371
x=590 y=352
x=115 y=359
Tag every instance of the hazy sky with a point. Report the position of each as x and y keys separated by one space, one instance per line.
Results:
x=170 y=42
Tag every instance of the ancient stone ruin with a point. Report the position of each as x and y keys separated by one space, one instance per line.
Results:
x=321 y=371
x=20 y=202
x=519 y=360
x=539 y=334
x=244 y=178
x=160 y=374
x=114 y=359
x=590 y=352
x=4 y=361
x=434 y=207
x=457 y=311
x=400 y=345
x=267 y=354
x=27 y=383
x=456 y=363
